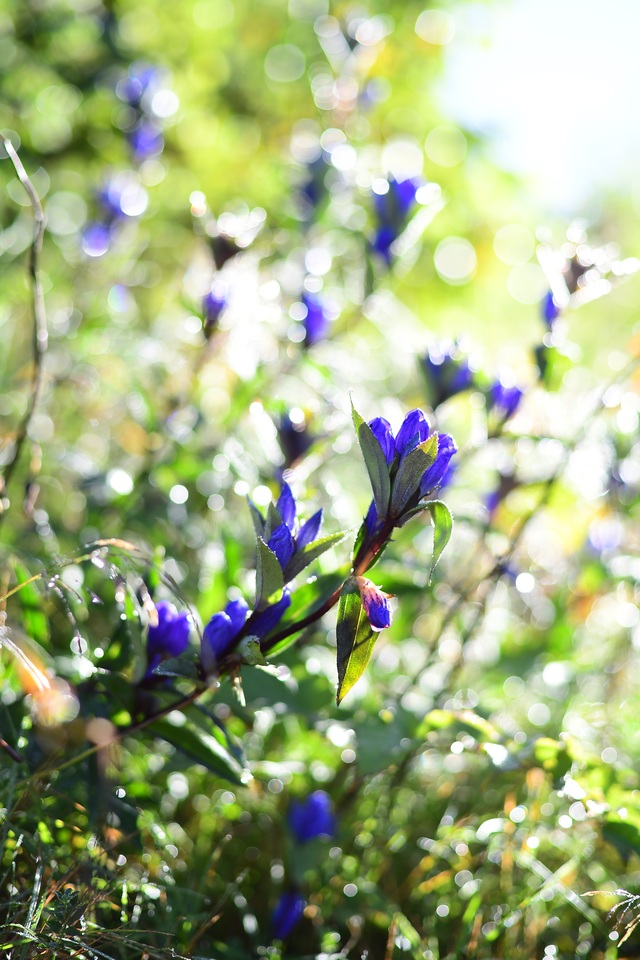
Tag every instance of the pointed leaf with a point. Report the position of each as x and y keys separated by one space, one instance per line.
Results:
x=410 y=473
x=258 y=519
x=269 y=579
x=302 y=558
x=442 y=526
x=182 y=666
x=355 y=638
x=202 y=748
x=376 y=463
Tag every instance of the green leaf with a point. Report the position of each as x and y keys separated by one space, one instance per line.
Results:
x=410 y=473
x=258 y=519
x=355 y=637
x=269 y=579
x=182 y=666
x=442 y=526
x=311 y=552
x=199 y=746
x=304 y=602
x=376 y=462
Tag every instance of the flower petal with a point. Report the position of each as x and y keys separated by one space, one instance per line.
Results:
x=309 y=530
x=381 y=430
x=414 y=430
x=281 y=543
x=286 y=506
x=375 y=603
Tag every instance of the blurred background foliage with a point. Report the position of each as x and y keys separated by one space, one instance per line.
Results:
x=484 y=772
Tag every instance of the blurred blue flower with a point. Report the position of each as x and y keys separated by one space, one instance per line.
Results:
x=549 y=309
x=392 y=208
x=140 y=79
x=169 y=637
x=313 y=817
x=287 y=914
x=375 y=603
x=294 y=437
x=145 y=140
x=317 y=322
x=96 y=239
x=213 y=303
x=447 y=372
x=504 y=400
x=314 y=187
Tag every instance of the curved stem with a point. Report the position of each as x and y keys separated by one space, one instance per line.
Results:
x=40 y=332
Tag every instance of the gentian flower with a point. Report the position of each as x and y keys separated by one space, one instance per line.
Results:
x=169 y=637
x=224 y=628
x=314 y=188
x=313 y=817
x=317 y=322
x=145 y=140
x=287 y=914
x=392 y=209
x=213 y=303
x=294 y=437
x=290 y=536
x=375 y=603
x=549 y=309
x=413 y=431
x=141 y=78
x=447 y=372
x=504 y=400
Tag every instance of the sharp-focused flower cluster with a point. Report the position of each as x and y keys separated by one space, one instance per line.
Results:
x=393 y=203
x=504 y=400
x=169 y=637
x=313 y=817
x=447 y=372
x=413 y=432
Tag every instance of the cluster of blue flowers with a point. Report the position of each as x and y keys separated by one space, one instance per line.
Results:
x=137 y=90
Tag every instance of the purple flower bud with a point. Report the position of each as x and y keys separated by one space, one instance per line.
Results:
x=221 y=631
x=414 y=430
x=141 y=77
x=169 y=637
x=392 y=210
x=375 y=603
x=505 y=400
x=549 y=309
x=287 y=914
x=433 y=477
x=447 y=372
x=286 y=506
x=294 y=438
x=309 y=530
x=266 y=621
x=213 y=303
x=371 y=519
x=381 y=430
x=313 y=817
x=282 y=543
x=316 y=322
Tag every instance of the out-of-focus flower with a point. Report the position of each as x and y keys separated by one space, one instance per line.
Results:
x=393 y=203
x=294 y=435
x=375 y=603
x=447 y=372
x=314 y=187
x=316 y=322
x=549 y=309
x=213 y=303
x=169 y=637
x=141 y=78
x=287 y=914
x=313 y=817
x=146 y=140
x=507 y=483
x=504 y=400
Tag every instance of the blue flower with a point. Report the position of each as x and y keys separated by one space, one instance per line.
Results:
x=392 y=209
x=213 y=303
x=294 y=438
x=504 y=400
x=549 y=309
x=145 y=140
x=141 y=78
x=169 y=637
x=317 y=321
x=290 y=536
x=375 y=603
x=313 y=817
x=447 y=372
x=221 y=631
x=287 y=914
x=270 y=617
x=439 y=473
